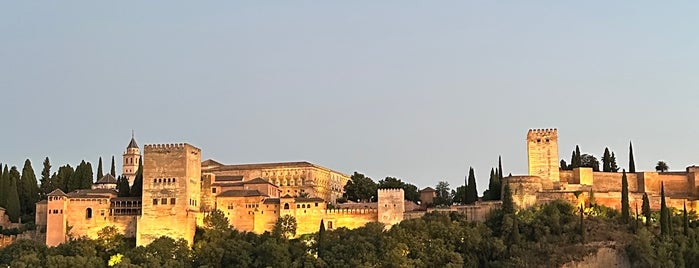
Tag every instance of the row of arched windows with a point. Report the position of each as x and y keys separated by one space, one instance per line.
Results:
x=164 y=180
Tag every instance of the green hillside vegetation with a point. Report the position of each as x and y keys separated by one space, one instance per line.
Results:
x=506 y=239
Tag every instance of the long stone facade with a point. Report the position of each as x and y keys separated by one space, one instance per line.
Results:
x=546 y=181
x=179 y=190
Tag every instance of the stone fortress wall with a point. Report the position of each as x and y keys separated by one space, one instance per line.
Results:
x=546 y=182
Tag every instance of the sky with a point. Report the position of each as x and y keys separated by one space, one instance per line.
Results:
x=418 y=90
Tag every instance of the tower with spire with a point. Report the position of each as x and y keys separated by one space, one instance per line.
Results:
x=131 y=157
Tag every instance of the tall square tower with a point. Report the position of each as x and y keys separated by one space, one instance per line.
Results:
x=171 y=192
x=542 y=150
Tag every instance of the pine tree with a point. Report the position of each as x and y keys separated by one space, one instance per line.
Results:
x=632 y=164
x=123 y=186
x=685 y=221
x=664 y=228
x=4 y=186
x=613 y=167
x=471 y=188
x=624 y=198
x=113 y=169
x=28 y=190
x=606 y=161
x=13 y=206
x=137 y=187
x=508 y=206
x=645 y=208
x=99 y=169
x=46 y=185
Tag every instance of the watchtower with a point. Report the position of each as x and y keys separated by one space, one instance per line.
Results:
x=171 y=192
x=542 y=150
x=391 y=206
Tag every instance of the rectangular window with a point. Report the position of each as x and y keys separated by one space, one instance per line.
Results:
x=213 y=190
x=163 y=201
x=172 y=201
x=330 y=225
x=155 y=201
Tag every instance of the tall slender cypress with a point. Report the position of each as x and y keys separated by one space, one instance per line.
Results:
x=664 y=224
x=137 y=187
x=13 y=206
x=606 y=161
x=578 y=157
x=46 y=184
x=685 y=220
x=624 y=198
x=4 y=186
x=508 y=205
x=632 y=163
x=28 y=190
x=113 y=169
x=472 y=191
x=645 y=208
x=613 y=167
x=99 y=169
x=123 y=189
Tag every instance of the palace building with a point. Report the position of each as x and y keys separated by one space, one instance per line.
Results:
x=179 y=190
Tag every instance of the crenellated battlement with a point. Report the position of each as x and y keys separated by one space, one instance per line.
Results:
x=542 y=132
x=169 y=146
x=351 y=211
x=395 y=190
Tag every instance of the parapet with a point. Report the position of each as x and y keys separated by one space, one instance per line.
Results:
x=548 y=132
x=169 y=146
x=351 y=211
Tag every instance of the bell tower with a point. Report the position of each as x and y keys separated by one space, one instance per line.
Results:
x=542 y=150
x=130 y=161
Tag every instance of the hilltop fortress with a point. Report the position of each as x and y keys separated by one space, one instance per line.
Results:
x=546 y=181
x=179 y=190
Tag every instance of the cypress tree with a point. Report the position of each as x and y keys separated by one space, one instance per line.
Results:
x=645 y=208
x=635 y=223
x=13 y=206
x=321 y=231
x=4 y=186
x=613 y=167
x=471 y=188
x=499 y=172
x=606 y=161
x=493 y=185
x=62 y=179
x=88 y=176
x=46 y=185
x=137 y=187
x=123 y=186
x=632 y=164
x=685 y=220
x=578 y=157
x=508 y=206
x=664 y=228
x=564 y=165
x=624 y=198
x=113 y=169
x=572 y=161
x=582 y=225
x=28 y=190
x=99 y=169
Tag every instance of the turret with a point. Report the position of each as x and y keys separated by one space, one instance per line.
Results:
x=130 y=161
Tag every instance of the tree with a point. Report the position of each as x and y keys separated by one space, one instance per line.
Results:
x=645 y=208
x=632 y=163
x=62 y=178
x=410 y=190
x=624 y=198
x=46 y=185
x=588 y=160
x=508 y=206
x=110 y=238
x=661 y=166
x=606 y=161
x=137 y=187
x=582 y=225
x=685 y=221
x=99 y=169
x=285 y=227
x=564 y=165
x=28 y=190
x=123 y=189
x=494 y=186
x=13 y=203
x=443 y=194
x=360 y=188
x=321 y=232
x=664 y=217
x=82 y=178
x=458 y=196
x=577 y=162
x=113 y=169
x=472 y=192
x=216 y=220
x=613 y=167
x=4 y=187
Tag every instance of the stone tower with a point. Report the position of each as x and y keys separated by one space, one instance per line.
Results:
x=391 y=206
x=171 y=191
x=131 y=157
x=542 y=150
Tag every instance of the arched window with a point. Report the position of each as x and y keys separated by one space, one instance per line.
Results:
x=88 y=213
x=286 y=206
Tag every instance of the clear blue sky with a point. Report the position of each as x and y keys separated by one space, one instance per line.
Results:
x=419 y=90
